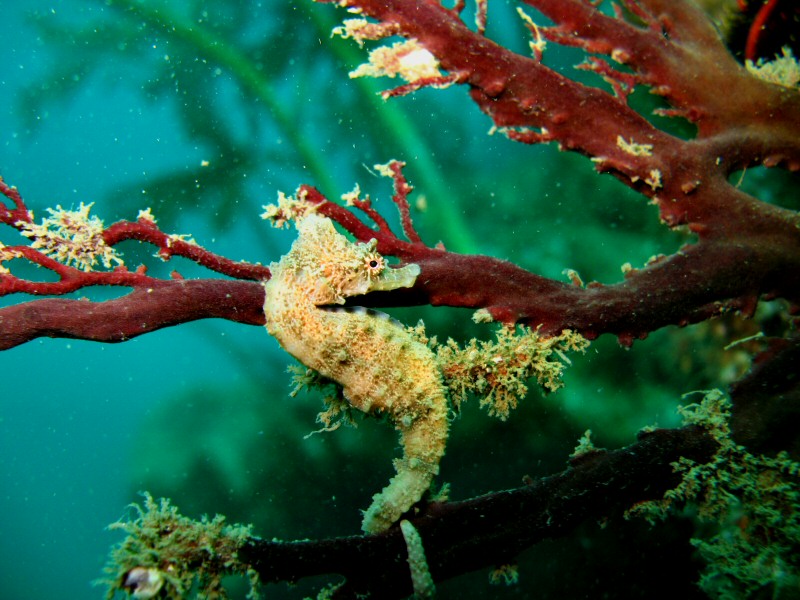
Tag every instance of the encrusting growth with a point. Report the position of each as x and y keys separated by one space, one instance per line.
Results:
x=382 y=369
x=169 y=556
x=71 y=237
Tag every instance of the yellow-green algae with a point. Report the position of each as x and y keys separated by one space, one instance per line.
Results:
x=498 y=370
x=186 y=557
x=748 y=508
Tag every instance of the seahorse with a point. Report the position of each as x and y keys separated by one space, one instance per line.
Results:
x=381 y=368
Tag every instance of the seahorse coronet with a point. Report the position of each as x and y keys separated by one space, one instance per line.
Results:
x=382 y=368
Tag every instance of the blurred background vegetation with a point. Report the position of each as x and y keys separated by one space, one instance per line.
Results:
x=259 y=95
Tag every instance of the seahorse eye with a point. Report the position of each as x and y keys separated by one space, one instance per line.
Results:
x=374 y=264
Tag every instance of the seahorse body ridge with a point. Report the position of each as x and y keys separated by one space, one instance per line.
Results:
x=382 y=369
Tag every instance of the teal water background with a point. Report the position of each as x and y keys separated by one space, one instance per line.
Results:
x=70 y=410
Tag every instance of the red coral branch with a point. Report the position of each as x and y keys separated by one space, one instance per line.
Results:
x=143 y=310
x=702 y=280
x=168 y=246
x=153 y=303
x=143 y=230
x=746 y=249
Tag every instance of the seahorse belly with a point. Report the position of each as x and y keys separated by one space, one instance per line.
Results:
x=382 y=370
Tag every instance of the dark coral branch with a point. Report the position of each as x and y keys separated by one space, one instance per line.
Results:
x=767 y=401
x=144 y=310
x=490 y=530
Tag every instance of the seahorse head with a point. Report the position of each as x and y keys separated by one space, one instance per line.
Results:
x=330 y=267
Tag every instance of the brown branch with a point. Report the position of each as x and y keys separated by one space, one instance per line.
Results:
x=493 y=529
x=489 y=530
x=766 y=409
